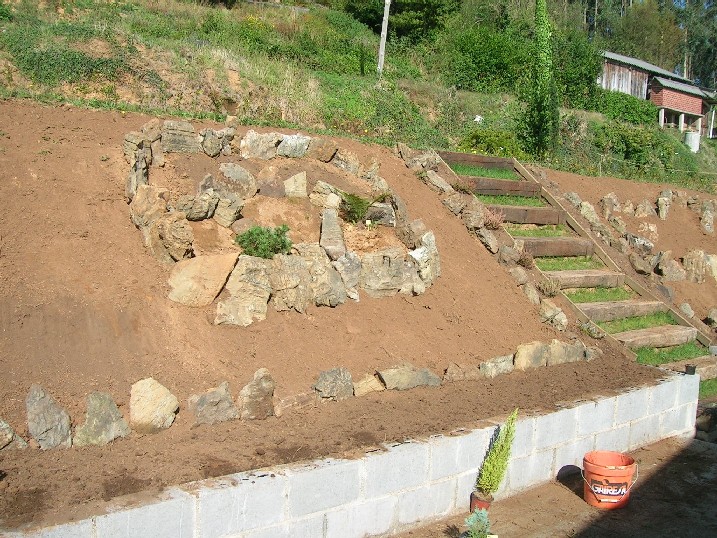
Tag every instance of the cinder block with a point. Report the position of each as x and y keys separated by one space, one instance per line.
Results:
x=572 y=453
x=170 y=517
x=241 y=502
x=524 y=442
x=617 y=440
x=663 y=396
x=689 y=388
x=556 y=428
x=402 y=467
x=465 y=485
x=318 y=487
x=432 y=501
x=468 y=456
x=78 y=529
x=364 y=518
x=644 y=431
x=529 y=471
x=311 y=527
x=596 y=416
x=631 y=406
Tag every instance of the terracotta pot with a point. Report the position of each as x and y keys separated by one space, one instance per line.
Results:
x=478 y=500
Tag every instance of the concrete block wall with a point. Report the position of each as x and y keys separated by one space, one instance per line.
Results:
x=405 y=484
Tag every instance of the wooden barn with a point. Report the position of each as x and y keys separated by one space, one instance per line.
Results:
x=680 y=102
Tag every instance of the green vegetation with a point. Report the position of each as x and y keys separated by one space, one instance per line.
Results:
x=708 y=388
x=264 y=242
x=549 y=230
x=354 y=208
x=655 y=357
x=637 y=322
x=599 y=295
x=508 y=199
x=495 y=463
x=569 y=263
x=478 y=524
x=483 y=171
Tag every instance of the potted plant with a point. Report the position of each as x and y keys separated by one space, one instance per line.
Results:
x=495 y=465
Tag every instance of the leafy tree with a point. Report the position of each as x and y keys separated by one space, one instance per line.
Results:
x=699 y=17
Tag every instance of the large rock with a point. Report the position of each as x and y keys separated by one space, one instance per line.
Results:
x=489 y=240
x=291 y=281
x=248 y=291
x=561 y=352
x=707 y=222
x=695 y=265
x=321 y=149
x=215 y=405
x=531 y=292
x=9 y=440
x=197 y=281
x=148 y=204
x=645 y=209
x=228 y=211
x=410 y=233
x=295 y=186
x=436 y=182
x=456 y=201
x=427 y=259
x=170 y=238
x=382 y=273
x=256 y=399
x=332 y=236
x=641 y=265
x=293 y=146
x=609 y=204
x=663 y=206
x=47 y=422
x=237 y=181
x=573 y=198
x=336 y=384
x=473 y=215
x=138 y=173
x=321 y=193
x=669 y=269
x=531 y=355
x=211 y=143
x=346 y=160
x=349 y=267
x=497 y=366
x=103 y=422
x=326 y=283
x=462 y=372
x=259 y=146
x=180 y=137
x=381 y=214
x=152 y=407
x=641 y=244
x=428 y=160
x=407 y=377
x=587 y=210
x=201 y=207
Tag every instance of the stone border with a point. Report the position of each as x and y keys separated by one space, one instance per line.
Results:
x=408 y=483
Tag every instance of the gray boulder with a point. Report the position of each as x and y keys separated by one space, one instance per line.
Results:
x=197 y=282
x=346 y=160
x=202 y=206
x=290 y=279
x=561 y=353
x=103 y=422
x=508 y=255
x=618 y=224
x=407 y=377
x=531 y=293
x=256 y=399
x=695 y=265
x=248 y=290
x=669 y=269
x=349 y=267
x=641 y=244
x=497 y=366
x=456 y=202
x=332 y=236
x=531 y=355
x=410 y=233
x=427 y=160
x=237 y=181
x=295 y=186
x=663 y=206
x=293 y=146
x=180 y=137
x=381 y=214
x=609 y=204
x=587 y=210
x=336 y=384
x=152 y=407
x=641 y=265
x=259 y=146
x=211 y=143
x=645 y=209
x=47 y=422
x=686 y=309
x=382 y=273
x=321 y=193
x=519 y=274
x=551 y=314
x=326 y=283
x=170 y=238
x=138 y=173
x=436 y=182
x=228 y=211
x=148 y=204
x=707 y=222
x=214 y=406
x=489 y=240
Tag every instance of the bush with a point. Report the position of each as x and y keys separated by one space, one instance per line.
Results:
x=5 y=12
x=549 y=287
x=496 y=460
x=264 y=242
x=490 y=141
x=624 y=107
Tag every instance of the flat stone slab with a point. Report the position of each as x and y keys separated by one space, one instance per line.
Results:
x=663 y=336
x=529 y=215
x=587 y=278
x=608 y=311
x=557 y=246
x=706 y=367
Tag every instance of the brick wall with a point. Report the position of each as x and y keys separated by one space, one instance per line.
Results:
x=667 y=98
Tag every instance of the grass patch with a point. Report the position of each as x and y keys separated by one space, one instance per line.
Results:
x=550 y=230
x=483 y=171
x=569 y=263
x=655 y=357
x=599 y=295
x=708 y=388
x=504 y=199
x=637 y=322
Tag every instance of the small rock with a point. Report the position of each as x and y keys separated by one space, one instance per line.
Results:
x=170 y=238
x=645 y=209
x=489 y=240
x=497 y=366
x=531 y=293
x=455 y=202
x=381 y=214
x=663 y=206
x=293 y=146
x=256 y=399
x=407 y=377
x=641 y=265
x=573 y=198
x=707 y=222
x=628 y=208
x=686 y=309
x=335 y=384
x=203 y=206
x=321 y=192
x=641 y=244
x=332 y=236
x=211 y=143
x=295 y=186
x=649 y=230
x=519 y=274
x=410 y=233
x=609 y=204
x=152 y=407
x=669 y=269
x=321 y=149
x=228 y=211
x=240 y=181
x=215 y=405
x=148 y=204
x=9 y=440
x=618 y=224
x=435 y=181
x=593 y=352
x=369 y=383
x=47 y=422
x=531 y=355
x=695 y=264
x=248 y=290
x=346 y=160
x=551 y=314
x=588 y=212
x=259 y=146
x=457 y=372
x=349 y=267
x=508 y=255
x=592 y=330
x=103 y=422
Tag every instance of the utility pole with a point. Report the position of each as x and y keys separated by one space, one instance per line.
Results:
x=384 y=33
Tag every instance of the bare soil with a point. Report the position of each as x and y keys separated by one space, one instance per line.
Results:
x=83 y=308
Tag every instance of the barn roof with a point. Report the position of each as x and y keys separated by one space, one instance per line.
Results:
x=680 y=87
x=645 y=66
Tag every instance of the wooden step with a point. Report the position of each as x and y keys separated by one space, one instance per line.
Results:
x=518 y=214
x=452 y=157
x=610 y=310
x=557 y=246
x=587 y=278
x=495 y=187
x=706 y=366
x=662 y=336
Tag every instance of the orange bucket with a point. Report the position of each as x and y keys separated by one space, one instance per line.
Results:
x=608 y=478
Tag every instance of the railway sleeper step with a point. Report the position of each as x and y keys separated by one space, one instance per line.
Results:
x=705 y=367
x=661 y=336
x=518 y=214
x=507 y=187
x=557 y=246
x=610 y=310
x=587 y=278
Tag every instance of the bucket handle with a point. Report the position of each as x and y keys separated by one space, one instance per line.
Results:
x=637 y=472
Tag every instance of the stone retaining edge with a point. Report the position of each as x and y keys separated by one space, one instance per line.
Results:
x=407 y=483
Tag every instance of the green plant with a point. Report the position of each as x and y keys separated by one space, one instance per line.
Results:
x=549 y=287
x=354 y=207
x=5 y=12
x=549 y=230
x=264 y=242
x=491 y=141
x=708 y=388
x=568 y=263
x=495 y=463
x=478 y=524
x=637 y=322
x=599 y=295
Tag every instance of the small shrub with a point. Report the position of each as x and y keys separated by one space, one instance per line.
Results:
x=264 y=242
x=526 y=260
x=496 y=460
x=354 y=207
x=478 y=524
x=549 y=287
x=493 y=220
x=5 y=12
x=490 y=141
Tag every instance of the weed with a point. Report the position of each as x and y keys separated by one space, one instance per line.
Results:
x=550 y=230
x=637 y=322
x=568 y=263
x=264 y=242
x=509 y=199
x=549 y=287
x=483 y=171
x=655 y=357
x=525 y=259
x=493 y=219
x=599 y=295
